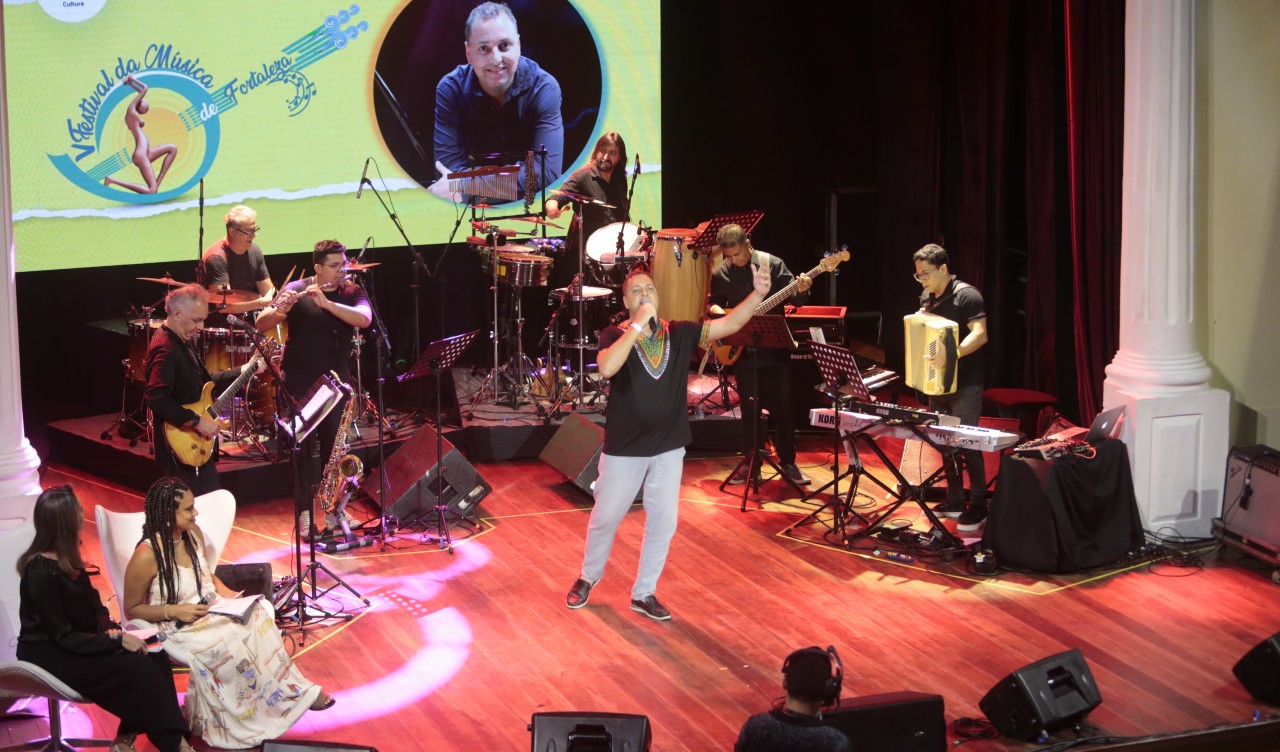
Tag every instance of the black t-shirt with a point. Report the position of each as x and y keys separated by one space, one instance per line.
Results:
x=962 y=303
x=730 y=285
x=588 y=181
x=319 y=342
x=239 y=271
x=647 y=413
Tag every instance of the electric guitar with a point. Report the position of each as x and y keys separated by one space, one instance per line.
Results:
x=729 y=354
x=189 y=445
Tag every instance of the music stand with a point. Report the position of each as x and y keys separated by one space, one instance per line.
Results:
x=708 y=237
x=843 y=382
x=438 y=356
x=323 y=396
x=769 y=332
x=842 y=372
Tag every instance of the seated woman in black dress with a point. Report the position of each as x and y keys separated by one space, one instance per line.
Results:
x=68 y=632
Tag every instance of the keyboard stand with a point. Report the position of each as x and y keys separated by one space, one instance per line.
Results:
x=909 y=493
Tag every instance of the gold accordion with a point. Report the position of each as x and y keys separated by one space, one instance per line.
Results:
x=928 y=334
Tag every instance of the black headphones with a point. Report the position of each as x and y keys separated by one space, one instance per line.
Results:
x=835 y=678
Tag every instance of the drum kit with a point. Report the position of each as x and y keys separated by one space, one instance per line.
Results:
x=588 y=304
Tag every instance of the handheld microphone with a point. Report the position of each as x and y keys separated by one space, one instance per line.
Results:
x=653 y=324
x=367 y=241
x=364 y=177
x=155 y=638
x=637 y=172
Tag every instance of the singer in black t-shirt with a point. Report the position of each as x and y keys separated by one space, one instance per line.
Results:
x=646 y=430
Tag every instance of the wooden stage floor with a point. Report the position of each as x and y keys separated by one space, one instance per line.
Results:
x=456 y=652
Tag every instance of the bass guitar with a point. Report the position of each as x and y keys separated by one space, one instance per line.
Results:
x=729 y=354
x=189 y=445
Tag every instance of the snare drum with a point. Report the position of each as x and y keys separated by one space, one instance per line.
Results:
x=524 y=269
x=681 y=274
x=604 y=265
x=140 y=332
x=597 y=306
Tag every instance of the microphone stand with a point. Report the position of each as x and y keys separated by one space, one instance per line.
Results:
x=627 y=211
x=383 y=347
x=418 y=265
x=200 y=238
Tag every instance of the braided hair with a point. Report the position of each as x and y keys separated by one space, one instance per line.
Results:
x=157 y=529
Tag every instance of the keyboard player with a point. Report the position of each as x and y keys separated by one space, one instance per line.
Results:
x=944 y=295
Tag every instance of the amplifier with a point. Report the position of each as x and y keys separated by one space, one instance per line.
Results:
x=892 y=722
x=804 y=370
x=1251 y=501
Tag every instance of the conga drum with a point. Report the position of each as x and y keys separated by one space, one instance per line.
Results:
x=681 y=274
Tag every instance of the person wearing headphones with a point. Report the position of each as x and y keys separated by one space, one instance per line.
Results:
x=811 y=677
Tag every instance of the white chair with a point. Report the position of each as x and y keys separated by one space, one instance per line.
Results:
x=120 y=533
x=19 y=678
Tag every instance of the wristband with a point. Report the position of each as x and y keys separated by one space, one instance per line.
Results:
x=639 y=329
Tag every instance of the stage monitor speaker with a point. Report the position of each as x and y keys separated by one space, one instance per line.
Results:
x=1039 y=699
x=1251 y=494
x=280 y=745
x=892 y=722
x=575 y=449
x=412 y=476
x=1259 y=670
x=250 y=579
x=590 y=732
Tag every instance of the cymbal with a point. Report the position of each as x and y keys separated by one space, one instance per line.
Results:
x=165 y=280
x=539 y=221
x=362 y=267
x=573 y=196
x=482 y=205
x=227 y=295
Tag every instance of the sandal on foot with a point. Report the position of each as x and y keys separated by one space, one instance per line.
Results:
x=324 y=702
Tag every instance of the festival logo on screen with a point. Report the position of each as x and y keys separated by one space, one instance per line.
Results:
x=149 y=129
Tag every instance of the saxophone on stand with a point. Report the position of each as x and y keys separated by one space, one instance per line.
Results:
x=342 y=474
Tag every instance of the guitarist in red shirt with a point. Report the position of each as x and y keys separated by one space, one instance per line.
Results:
x=176 y=376
x=730 y=285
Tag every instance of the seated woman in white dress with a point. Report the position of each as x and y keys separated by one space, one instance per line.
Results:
x=244 y=688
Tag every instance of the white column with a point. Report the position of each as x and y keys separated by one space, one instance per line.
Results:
x=1176 y=426
x=18 y=460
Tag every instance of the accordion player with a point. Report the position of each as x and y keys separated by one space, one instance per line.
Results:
x=929 y=334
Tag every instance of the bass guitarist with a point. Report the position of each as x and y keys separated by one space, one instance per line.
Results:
x=730 y=285
x=176 y=376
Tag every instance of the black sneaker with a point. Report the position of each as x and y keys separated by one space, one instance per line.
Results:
x=650 y=607
x=579 y=594
x=796 y=475
x=740 y=475
x=950 y=508
x=973 y=518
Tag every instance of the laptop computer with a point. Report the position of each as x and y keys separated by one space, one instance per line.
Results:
x=1105 y=426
